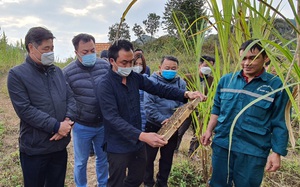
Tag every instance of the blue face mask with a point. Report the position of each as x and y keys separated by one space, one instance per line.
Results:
x=168 y=74
x=89 y=59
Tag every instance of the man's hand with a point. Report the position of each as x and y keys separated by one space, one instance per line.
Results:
x=65 y=127
x=152 y=139
x=56 y=137
x=196 y=94
x=205 y=139
x=273 y=162
x=165 y=121
x=69 y=121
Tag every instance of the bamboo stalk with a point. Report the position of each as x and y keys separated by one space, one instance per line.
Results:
x=176 y=120
x=298 y=51
x=123 y=18
x=288 y=118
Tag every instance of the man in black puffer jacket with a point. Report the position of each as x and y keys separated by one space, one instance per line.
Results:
x=83 y=75
x=45 y=105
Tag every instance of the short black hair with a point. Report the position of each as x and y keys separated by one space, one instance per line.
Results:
x=169 y=57
x=104 y=54
x=205 y=58
x=113 y=50
x=138 y=49
x=82 y=37
x=257 y=45
x=36 y=35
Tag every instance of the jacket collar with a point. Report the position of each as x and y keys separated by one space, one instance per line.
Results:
x=263 y=76
x=79 y=64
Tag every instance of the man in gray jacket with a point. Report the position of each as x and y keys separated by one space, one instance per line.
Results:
x=83 y=74
x=43 y=101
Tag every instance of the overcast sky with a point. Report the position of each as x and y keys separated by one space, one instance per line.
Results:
x=68 y=18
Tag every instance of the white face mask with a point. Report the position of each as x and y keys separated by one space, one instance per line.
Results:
x=137 y=69
x=47 y=59
x=205 y=70
x=124 y=72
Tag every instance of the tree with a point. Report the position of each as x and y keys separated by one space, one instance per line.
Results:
x=192 y=9
x=138 y=32
x=123 y=33
x=152 y=23
x=284 y=29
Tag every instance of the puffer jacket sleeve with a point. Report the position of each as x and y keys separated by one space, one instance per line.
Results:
x=152 y=112
x=71 y=103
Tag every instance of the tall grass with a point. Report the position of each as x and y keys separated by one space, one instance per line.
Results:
x=10 y=55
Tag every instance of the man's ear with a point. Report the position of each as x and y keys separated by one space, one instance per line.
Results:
x=159 y=68
x=112 y=61
x=30 y=47
x=266 y=59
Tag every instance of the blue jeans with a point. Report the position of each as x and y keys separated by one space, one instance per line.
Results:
x=83 y=138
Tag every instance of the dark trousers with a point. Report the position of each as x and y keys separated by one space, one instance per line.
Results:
x=134 y=163
x=182 y=129
x=165 y=161
x=47 y=170
x=194 y=143
x=244 y=170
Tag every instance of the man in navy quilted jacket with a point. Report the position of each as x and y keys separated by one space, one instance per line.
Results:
x=45 y=105
x=83 y=75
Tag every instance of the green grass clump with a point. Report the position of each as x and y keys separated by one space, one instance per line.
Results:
x=186 y=174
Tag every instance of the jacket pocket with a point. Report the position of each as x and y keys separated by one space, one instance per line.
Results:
x=258 y=111
x=256 y=117
x=226 y=104
x=254 y=128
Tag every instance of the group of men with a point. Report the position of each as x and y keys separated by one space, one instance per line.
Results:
x=99 y=102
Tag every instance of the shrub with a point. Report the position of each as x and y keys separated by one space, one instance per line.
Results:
x=186 y=174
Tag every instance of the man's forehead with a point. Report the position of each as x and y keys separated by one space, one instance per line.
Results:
x=253 y=52
x=207 y=62
x=127 y=55
x=46 y=43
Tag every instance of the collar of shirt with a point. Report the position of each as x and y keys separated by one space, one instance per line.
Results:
x=247 y=78
x=115 y=75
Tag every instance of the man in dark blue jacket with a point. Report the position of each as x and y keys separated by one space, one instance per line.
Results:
x=118 y=95
x=45 y=105
x=158 y=111
x=83 y=74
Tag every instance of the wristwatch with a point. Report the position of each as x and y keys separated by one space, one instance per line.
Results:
x=186 y=94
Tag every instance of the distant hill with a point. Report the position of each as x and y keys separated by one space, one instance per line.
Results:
x=145 y=39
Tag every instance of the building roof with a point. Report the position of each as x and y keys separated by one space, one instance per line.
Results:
x=101 y=46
